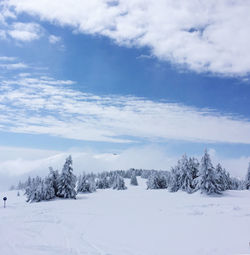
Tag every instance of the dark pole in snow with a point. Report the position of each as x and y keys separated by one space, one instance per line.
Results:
x=4 y=201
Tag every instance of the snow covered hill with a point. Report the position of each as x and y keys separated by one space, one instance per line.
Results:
x=135 y=221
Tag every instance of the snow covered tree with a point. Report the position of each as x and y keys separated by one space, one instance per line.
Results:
x=86 y=184
x=247 y=181
x=133 y=180
x=208 y=179
x=103 y=182
x=39 y=191
x=145 y=174
x=27 y=183
x=184 y=175
x=119 y=183
x=92 y=183
x=242 y=185
x=188 y=174
x=54 y=177
x=67 y=181
x=29 y=190
x=82 y=184
x=128 y=173
x=34 y=191
x=194 y=173
x=112 y=179
x=157 y=181
x=175 y=185
x=227 y=181
x=237 y=184
x=183 y=172
x=221 y=177
x=48 y=189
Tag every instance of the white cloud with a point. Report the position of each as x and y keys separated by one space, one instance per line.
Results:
x=47 y=106
x=13 y=66
x=7 y=59
x=54 y=39
x=25 y=31
x=205 y=36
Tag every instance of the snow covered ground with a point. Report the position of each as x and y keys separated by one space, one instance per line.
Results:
x=132 y=222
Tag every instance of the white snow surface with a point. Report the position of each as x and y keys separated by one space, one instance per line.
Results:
x=135 y=221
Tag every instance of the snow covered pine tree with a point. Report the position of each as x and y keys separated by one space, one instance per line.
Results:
x=119 y=183
x=133 y=180
x=157 y=180
x=86 y=184
x=48 y=189
x=54 y=176
x=102 y=181
x=188 y=174
x=67 y=181
x=175 y=178
x=208 y=179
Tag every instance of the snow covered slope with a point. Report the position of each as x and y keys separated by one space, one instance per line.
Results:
x=132 y=222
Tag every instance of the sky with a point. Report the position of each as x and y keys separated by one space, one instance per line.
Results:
x=121 y=84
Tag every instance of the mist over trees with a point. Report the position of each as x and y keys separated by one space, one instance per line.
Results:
x=188 y=175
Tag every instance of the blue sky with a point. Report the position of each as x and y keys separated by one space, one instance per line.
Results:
x=122 y=76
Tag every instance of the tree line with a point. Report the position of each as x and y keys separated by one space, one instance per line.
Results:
x=188 y=175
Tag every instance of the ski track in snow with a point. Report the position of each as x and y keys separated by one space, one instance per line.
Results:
x=131 y=222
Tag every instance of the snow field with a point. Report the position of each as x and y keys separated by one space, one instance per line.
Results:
x=135 y=221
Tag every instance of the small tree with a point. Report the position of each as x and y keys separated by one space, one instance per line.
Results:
x=119 y=183
x=133 y=180
x=48 y=189
x=103 y=182
x=175 y=179
x=221 y=177
x=34 y=191
x=86 y=184
x=67 y=181
x=54 y=177
x=157 y=181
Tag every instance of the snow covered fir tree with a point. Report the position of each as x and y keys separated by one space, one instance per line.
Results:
x=208 y=179
x=103 y=181
x=53 y=185
x=188 y=175
x=86 y=184
x=119 y=183
x=157 y=180
x=67 y=181
x=133 y=180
